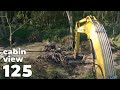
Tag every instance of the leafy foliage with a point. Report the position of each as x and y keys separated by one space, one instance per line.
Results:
x=51 y=25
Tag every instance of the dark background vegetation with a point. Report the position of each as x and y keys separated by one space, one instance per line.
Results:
x=50 y=25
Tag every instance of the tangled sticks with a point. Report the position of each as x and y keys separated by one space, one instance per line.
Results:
x=53 y=53
x=58 y=54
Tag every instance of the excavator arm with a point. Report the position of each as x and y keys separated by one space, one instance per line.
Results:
x=102 y=54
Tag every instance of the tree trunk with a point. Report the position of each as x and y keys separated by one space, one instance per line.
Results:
x=2 y=29
x=117 y=21
x=70 y=19
x=10 y=35
x=69 y=15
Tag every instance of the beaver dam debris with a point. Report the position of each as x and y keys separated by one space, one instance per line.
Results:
x=53 y=53
x=57 y=53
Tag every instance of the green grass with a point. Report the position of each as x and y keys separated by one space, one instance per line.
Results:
x=118 y=73
x=116 y=43
x=88 y=76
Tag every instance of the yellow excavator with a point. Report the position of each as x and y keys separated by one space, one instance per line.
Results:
x=101 y=49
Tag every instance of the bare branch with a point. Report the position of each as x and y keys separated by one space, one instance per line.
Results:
x=10 y=28
x=20 y=27
x=10 y=37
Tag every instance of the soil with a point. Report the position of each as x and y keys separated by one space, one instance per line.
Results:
x=43 y=68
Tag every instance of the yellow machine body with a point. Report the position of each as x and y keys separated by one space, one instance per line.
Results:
x=103 y=62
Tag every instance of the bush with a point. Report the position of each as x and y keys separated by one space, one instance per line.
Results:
x=118 y=73
x=55 y=34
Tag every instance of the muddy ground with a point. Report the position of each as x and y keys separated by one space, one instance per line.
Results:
x=48 y=69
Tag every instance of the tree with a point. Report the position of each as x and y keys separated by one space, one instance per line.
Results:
x=70 y=19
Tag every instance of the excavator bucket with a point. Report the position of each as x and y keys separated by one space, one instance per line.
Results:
x=71 y=59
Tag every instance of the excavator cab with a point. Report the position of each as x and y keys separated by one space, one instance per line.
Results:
x=101 y=50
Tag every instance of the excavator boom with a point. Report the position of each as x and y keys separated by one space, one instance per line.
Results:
x=102 y=54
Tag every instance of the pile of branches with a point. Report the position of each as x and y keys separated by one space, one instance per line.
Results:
x=54 y=53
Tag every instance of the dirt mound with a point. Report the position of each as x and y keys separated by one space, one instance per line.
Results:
x=48 y=64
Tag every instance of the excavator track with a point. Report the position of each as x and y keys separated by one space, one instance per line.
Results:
x=105 y=47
